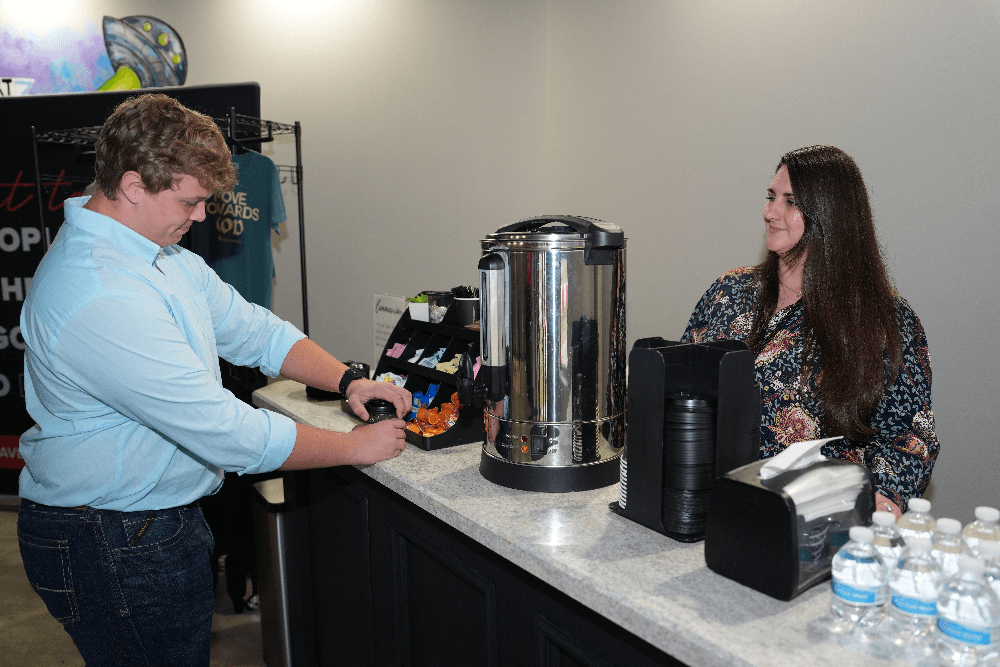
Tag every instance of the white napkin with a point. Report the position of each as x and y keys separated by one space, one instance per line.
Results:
x=820 y=492
x=795 y=457
x=826 y=491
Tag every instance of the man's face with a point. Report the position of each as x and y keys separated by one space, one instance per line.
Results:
x=167 y=215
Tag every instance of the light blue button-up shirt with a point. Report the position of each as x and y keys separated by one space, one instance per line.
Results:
x=122 y=373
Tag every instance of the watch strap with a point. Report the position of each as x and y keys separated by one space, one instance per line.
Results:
x=349 y=376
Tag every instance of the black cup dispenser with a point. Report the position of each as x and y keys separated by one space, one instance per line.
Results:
x=693 y=415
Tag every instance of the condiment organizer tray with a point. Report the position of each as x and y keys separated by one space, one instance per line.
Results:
x=417 y=335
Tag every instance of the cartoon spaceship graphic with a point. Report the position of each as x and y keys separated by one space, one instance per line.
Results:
x=145 y=52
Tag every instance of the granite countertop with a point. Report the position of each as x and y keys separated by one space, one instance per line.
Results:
x=654 y=587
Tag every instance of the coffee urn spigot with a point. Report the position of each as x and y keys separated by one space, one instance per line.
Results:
x=492 y=320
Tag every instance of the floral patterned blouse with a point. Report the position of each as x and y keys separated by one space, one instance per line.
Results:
x=902 y=451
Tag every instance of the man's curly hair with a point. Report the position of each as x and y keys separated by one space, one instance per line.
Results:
x=162 y=140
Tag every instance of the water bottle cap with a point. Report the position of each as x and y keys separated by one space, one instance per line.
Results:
x=922 y=544
x=861 y=534
x=949 y=526
x=919 y=505
x=971 y=564
x=884 y=518
x=991 y=514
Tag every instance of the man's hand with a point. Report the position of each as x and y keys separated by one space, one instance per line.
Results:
x=311 y=365
x=361 y=391
x=366 y=444
x=379 y=441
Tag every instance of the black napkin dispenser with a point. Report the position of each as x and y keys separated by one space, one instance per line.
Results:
x=758 y=537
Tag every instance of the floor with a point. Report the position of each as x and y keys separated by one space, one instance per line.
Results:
x=29 y=637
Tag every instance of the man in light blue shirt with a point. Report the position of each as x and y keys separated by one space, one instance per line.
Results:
x=123 y=331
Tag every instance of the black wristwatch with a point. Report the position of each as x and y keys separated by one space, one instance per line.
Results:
x=350 y=375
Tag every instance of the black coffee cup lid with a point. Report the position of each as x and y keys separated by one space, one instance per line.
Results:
x=380 y=406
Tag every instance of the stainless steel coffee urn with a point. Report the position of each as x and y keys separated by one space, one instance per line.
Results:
x=552 y=340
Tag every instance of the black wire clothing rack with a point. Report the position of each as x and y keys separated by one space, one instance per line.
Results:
x=239 y=130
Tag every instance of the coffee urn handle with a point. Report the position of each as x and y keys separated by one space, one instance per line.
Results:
x=493 y=327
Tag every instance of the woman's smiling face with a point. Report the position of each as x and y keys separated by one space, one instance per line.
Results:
x=782 y=216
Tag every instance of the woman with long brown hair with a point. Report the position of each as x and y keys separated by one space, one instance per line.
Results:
x=839 y=352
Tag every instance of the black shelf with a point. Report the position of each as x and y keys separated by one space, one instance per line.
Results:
x=463 y=333
x=408 y=368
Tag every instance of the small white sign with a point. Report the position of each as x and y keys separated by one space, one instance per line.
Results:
x=388 y=310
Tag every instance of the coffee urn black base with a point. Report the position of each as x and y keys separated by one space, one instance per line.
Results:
x=549 y=479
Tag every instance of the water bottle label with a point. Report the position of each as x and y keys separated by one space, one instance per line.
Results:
x=963 y=633
x=914 y=606
x=854 y=594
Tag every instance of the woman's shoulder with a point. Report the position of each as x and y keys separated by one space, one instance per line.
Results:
x=733 y=286
x=739 y=281
x=910 y=328
x=742 y=275
x=729 y=298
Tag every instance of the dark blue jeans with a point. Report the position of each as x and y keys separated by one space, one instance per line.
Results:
x=130 y=588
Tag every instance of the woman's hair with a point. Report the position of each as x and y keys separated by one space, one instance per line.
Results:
x=849 y=300
x=160 y=139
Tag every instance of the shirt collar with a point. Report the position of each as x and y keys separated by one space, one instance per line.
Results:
x=127 y=240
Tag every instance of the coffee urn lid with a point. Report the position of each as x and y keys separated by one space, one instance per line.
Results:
x=600 y=240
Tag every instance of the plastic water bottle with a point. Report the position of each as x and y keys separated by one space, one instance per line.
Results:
x=914 y=587
x=949 y=546
x=887 y=539
x=986 y=527
x=968 y=617
x=990 y=553
x=860 y=582
x=917 y=522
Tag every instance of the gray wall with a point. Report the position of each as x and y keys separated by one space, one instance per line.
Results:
x=428 y=123
x=668 y=118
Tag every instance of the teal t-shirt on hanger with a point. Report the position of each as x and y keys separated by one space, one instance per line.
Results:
x=235 y=237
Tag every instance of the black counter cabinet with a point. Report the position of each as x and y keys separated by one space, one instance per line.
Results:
x=388 y=584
